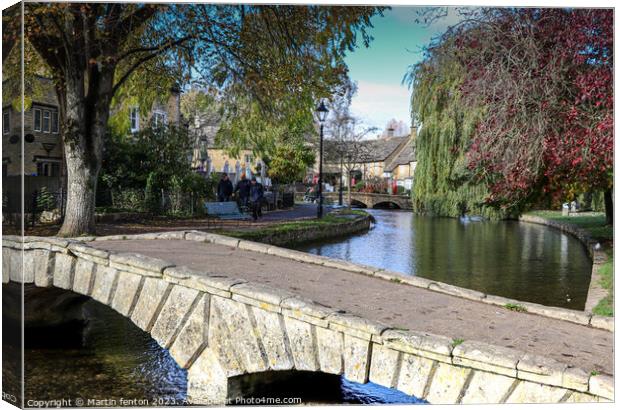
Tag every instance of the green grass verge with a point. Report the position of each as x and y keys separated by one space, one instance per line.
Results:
x=591 y=222
x=515 y=307
x=605 y=307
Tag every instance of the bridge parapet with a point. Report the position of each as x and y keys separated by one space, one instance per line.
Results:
x=219 y=327
x=370 y=200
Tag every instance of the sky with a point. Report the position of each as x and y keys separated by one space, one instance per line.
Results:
x=380 y=68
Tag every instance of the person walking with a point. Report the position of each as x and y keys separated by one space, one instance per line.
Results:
x=243 y=189
x=256 y=198
x=224 y=189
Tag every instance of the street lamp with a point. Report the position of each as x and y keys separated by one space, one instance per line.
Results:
x=321 y=112
x=341 y=178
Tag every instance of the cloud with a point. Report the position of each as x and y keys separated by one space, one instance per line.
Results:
x=377 y=103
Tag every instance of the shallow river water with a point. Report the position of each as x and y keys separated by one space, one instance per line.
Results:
x=513 y=259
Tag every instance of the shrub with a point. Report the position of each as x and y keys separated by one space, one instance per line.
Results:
x=45 y=200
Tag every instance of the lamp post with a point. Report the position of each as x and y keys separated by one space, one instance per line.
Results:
x=341 y=179
x=321 y=112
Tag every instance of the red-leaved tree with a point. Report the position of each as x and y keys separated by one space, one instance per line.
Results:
x=545 y=78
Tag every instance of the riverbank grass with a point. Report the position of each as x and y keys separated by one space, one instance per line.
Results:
x=605 y=307
x=591 y=222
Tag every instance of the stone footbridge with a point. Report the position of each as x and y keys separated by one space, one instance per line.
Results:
x=210 y=301
x=367 y=200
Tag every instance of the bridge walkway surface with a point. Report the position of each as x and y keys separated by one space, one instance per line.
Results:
x=391 y=303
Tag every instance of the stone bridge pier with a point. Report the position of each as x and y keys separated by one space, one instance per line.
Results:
x=218 y=328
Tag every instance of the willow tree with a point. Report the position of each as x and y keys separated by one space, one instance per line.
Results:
x=443 y=184
x=261 y=54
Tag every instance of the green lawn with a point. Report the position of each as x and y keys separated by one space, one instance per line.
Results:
x=606 y=306
x=592 y=222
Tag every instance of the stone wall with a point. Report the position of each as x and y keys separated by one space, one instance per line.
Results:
x=318 y=232
x=219 y=327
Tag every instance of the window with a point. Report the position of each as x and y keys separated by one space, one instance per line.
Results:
x=248 y=158
x=6 y=125
x=55 y=122
x=134 y=119
x=37 y=119
x=48 y=168
x=159 y=119
x=46 y=121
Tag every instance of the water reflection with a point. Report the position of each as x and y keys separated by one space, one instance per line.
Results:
x=116 y=360
x=517 y=260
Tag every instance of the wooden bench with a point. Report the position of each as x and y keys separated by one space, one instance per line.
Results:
x=225 y=211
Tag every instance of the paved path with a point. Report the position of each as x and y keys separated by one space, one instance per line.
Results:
x=391 y=303
x=303 y=210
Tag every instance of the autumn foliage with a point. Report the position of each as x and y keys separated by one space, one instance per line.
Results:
x=542 y=80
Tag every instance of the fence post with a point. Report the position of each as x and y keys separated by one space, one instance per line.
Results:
x=163 y=203
x=34 y=206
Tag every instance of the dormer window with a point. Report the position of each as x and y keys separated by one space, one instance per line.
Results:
x=134 y=119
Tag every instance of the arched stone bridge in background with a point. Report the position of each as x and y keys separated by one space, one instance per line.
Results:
x=367 y=200
x=219 y=327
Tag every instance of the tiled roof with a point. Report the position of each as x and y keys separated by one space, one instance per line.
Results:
x=404 y=157
x=380 y=149
x=375 y=150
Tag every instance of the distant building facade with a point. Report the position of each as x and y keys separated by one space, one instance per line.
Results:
x=163 y=112
x=209 y=157
x=386 y=157
x=43 y=147
x=43 y=151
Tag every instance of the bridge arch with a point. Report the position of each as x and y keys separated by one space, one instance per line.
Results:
x=219 y=328
x=358 y=204
x=386 y=205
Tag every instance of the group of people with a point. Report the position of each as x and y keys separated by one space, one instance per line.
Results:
x=250 y=193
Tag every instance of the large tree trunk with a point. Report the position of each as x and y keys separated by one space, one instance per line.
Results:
x=609 y=207
x=86 y=116
x=82 y=184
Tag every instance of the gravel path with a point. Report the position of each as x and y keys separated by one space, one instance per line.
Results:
x=391 y=303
